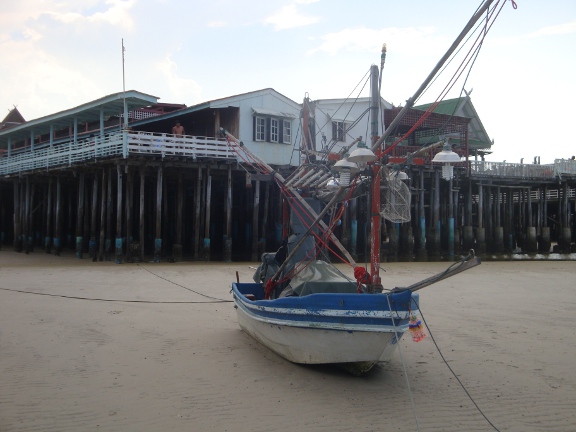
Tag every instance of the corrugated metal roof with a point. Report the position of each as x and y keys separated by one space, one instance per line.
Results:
x=89 y=112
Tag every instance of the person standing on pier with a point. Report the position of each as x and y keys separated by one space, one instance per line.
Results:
x=178 y=130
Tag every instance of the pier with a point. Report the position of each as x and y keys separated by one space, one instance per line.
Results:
x=81 y=182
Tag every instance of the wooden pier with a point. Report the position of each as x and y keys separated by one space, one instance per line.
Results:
x=134 y=194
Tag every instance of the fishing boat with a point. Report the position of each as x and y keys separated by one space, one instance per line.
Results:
x=304 y=308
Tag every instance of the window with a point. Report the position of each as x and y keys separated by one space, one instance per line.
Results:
x=338 y=131
x=274 y=130
x=260 y=129
x=286 y=132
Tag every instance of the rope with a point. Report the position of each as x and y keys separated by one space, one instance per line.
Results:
x=452 y=81
x=111 y=300
x=404 y=366
x=454 y=374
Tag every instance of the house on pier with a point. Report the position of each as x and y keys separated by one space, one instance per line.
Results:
x=70 y=178
x=109 y=179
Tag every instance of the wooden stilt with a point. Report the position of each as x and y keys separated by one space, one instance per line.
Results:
x=480 y=230
x=354 y=228
x=197 y=208
x=80 y=215
x=57 y=217
x=255 y=223
x=264 y=230
x=450 y=220
x=166 y=237
x=93 y=215
x=26 y=218
x=228 y=234
x=118 y=246
x=102 y=242
x=87 y=214
x=48 y=237
x=206 y=249
x=422 y=253
x=3 y=204
x=109 y=209
x=158 y=232
x=17 y=243
x=142 y=212
x=31 y=216
x=177 y=246
x=129 y=204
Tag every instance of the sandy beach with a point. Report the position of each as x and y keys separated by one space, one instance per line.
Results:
x=160 y=352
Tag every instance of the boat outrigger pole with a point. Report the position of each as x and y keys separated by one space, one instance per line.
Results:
x=295 y=193
x=375 y=280
x=410 y=102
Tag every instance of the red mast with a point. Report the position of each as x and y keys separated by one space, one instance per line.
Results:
x=375 y=281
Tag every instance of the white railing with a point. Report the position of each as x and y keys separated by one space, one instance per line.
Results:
x=503 y=169
x=564 y=166
x=171 y=145
x=124 y=144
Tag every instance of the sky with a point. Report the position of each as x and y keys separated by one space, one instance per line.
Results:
x=58 y=54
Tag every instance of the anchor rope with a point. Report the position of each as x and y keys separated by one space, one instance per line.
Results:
x=454 y=373
x=403 y=365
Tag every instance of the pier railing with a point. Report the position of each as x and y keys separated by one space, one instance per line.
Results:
x=504 y=169
x=528 y=171
x=118 y=144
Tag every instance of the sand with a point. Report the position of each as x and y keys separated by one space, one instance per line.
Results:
x=505 y=328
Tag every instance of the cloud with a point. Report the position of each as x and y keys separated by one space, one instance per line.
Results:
x=180 y=89
x=217 y=24
x=290 y=17
x=117 y=13
x=364 y=39
x=561 y=29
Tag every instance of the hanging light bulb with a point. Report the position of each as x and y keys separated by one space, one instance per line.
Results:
x=447 y=157
x=362 y=155
x=397 y=175
x=346 y=169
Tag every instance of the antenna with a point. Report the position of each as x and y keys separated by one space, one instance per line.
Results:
x=124 y=88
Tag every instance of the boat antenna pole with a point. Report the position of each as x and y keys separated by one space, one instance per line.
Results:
x=124 y=88
x=410 y=102
x=375 y=281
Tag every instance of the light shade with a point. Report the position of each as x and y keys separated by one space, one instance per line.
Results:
x=400 y=175
x=362 y=155
x=345 y=165
x=332 y=184
x=446 y=155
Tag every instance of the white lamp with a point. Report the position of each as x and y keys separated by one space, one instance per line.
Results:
x=399 y=175
x=362 y=155
x=447 y=157
x=345 y=168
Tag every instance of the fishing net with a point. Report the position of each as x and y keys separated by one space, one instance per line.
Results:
x=395 y=199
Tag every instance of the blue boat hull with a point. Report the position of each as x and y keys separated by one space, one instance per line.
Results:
x=357 y=330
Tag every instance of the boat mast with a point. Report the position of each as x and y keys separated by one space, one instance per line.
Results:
x=377 y=142
x=410 y=102
x=375 y=281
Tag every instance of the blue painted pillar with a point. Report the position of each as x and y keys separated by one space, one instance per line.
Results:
x=451 y=221
x=80 y=216
x=118 y=249
x=158 y=232
x=354 y=227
